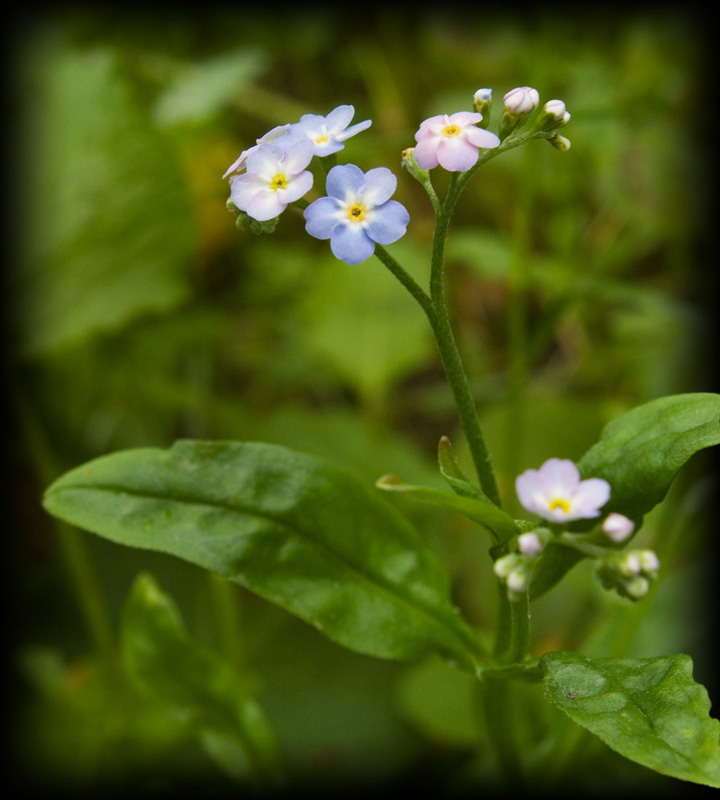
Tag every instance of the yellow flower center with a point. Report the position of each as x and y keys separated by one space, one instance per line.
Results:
x=356 y=212
x=322 y=139
x=279 y=181
x=451 y=130
x=559 y=503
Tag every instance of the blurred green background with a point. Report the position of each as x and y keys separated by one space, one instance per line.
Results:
x=139 y=314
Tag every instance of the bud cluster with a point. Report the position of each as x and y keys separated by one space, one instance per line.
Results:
x=629 y=574
x=515 y=569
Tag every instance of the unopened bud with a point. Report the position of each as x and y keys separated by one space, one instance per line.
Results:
x=556 y=113
x=560 y=143
x=517 y=580
x=649 y=562
x=506 y=564
x=482 y=103
x=636 y=588
x=618 y=527
x=521 y=101
x=530 y=543
x=630 y=564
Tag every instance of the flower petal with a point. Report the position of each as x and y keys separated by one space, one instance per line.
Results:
x=339 y=118
x=344 y=135
x=463 y=118
x=387 y=223
x=297 y=157
x=244 y=187
x=296 y=188
x=344 y=179
x=589 y=497
x=529 y=489
x=322 y=217
x=426 y=152
x=481 y=138
x=351 y=244
x=380 y=185
x=265 y=205
x=561 y=475
x=456 y=154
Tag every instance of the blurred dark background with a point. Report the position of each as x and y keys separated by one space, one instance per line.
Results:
x=582 y=283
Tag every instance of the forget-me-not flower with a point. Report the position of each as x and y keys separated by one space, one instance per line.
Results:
x=275 y=176
x=556 y=492
x=357 y=213
x=328 y=134
x=452 y=141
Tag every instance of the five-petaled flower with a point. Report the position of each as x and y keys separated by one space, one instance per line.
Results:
x=556 y=492
x=275 y=176
x=357 y=213
x=452 y=141
x=327 y=134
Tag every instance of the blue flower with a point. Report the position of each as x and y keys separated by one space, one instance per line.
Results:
x=328 y=134
x=357 y=213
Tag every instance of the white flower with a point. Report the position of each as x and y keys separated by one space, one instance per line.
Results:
x=617 y=527
x=239 y=164
x=274 y=178
x=556 y=492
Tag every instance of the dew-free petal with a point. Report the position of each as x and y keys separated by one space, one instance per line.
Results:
x=344 y=180
x=351 y=244
x=388 y=223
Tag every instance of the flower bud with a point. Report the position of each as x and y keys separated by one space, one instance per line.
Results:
x=521 y=101
x=506 y=564
x=618 y=527
x=636 y=588
x=518 y=105
x=482 y=103
x=649 y=562
x=518 y=580
x=629 y=564
x=530 y=544
x=560 y=143
x=556 y=114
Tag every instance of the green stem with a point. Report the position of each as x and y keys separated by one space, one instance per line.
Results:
x=519 y=629
x=496 y=704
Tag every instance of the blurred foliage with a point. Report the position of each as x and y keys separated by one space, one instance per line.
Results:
x=139 y=314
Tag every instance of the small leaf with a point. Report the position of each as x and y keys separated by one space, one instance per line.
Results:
x=291 y=527
x=555 y=561
x=456 y=478
x=647 y=709
x=640 y=452
x=196 y=685
x=501 y=525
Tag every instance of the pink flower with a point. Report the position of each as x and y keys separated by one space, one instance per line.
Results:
x=452 y=141
x=555 y=492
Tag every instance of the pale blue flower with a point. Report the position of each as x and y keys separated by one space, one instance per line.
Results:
x=328 y=134
x=357 y=213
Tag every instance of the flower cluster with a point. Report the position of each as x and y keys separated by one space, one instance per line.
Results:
x=271 y=174
x=556 y=493
x=357 y=213
x=629 y=574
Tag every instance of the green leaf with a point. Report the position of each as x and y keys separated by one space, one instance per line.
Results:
x=291 y=527
x=647 y=709
x=640 y=452
x=195 y=684
x=555 y=561
x=501 y=525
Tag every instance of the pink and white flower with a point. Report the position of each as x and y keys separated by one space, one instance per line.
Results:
x=274 y=178
x=555 y=492
x=452 y=141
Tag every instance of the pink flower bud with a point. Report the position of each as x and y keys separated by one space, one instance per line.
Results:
x=618 y=527
x=522 y=100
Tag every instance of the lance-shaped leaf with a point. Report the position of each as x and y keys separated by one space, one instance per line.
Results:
x=640 y=452
x=647 y=709
x=501 y=525
x=291 y=527
x=196 y=686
